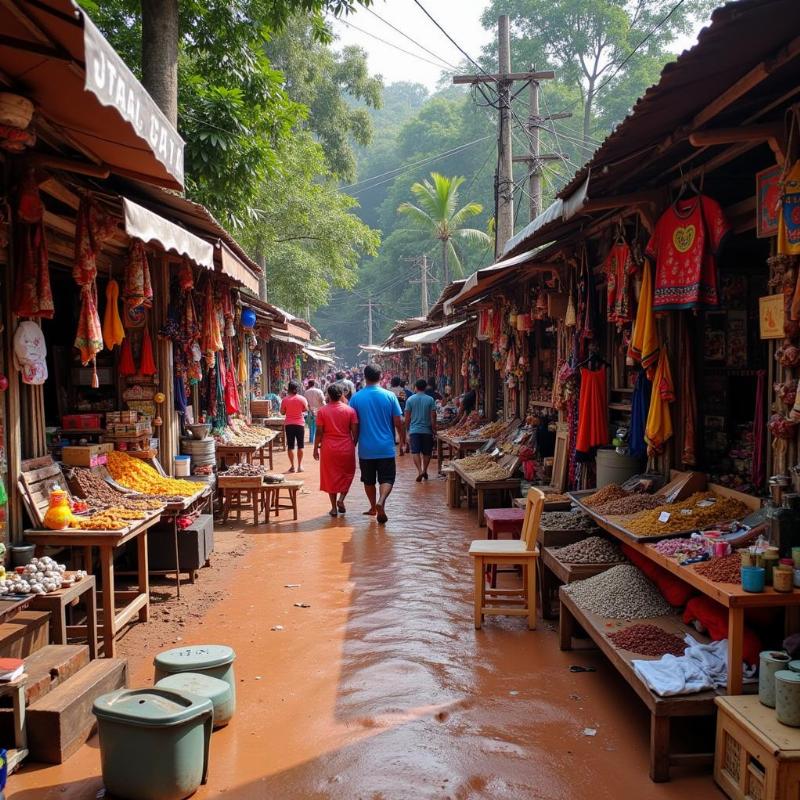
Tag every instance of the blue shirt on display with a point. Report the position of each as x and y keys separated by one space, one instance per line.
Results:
x=420 y=405
x=376 y=409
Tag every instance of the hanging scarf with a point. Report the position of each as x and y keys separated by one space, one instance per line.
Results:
x=640 y=406
x=211 y=335
x=644 y=346
x=113 y=332
x=688 y=402
x=126 y=366
x=147 y=364
x=138 y=289
x=659 y=419
x=33 y=296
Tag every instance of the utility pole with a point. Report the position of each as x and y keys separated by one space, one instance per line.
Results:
x=369 y=318
x=504 y=178
x=422 y=263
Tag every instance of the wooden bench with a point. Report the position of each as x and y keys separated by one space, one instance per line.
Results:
x=290 y=500
x=662 y=709
x=554 y=573
x=56 y=603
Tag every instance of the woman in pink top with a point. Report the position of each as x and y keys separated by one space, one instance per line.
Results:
x=294 y=407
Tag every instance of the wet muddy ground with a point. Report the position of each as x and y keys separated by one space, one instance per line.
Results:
x=382 y=689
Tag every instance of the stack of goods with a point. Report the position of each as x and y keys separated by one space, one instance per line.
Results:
x=701 y=510
x=482 y=467
x=593 y=550
x=114 y=518
x=727 y=569
x=243 y=436
x=679 y=548
x=128 y=430
x=135 y=474
x=648 y=640
x=605 y=495
x=98 y=495
x=566 y=521
x=465 y=427
x=490 y=431
x=40 y=576
x=621 y=592
x=629 y=505
x=252 y=470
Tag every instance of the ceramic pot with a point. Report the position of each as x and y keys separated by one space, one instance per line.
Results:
x=770 y=661
x=787 y=697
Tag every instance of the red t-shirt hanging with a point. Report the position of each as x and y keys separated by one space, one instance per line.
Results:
x=619 y=267
x=683 y=247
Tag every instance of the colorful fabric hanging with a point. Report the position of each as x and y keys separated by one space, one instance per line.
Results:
x=592 y=411
x=126 y=366
x=242 y=370
x=211 y=335
x=789 y=213
x=147 y=364
x=644 y=346
x=688 y=401
x=659 y=419
x=619 y=268
x=640 y=407
x=113 y=332
x=138 y=290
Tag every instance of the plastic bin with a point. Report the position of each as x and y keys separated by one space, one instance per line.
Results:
x=615 y=468
x=154 y=743
x=215 y=660
x=195 y=683
x=182 y=466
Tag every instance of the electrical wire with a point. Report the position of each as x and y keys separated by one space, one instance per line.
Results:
x=410 y=39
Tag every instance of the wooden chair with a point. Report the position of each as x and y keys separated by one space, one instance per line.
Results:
x=519 y=602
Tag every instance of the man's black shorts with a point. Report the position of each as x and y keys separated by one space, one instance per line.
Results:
x=380 y=470
x=295 y=436
x=421 y=443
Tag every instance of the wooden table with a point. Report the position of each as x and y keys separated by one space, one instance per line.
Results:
x=456 y=448
x=507 y=485
x=277 y=425
x=238 y=453
x=731 y=596
x=10 y=606
x=107 y=542
x=56 y=603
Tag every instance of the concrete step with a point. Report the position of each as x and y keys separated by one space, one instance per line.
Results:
x=61 y=721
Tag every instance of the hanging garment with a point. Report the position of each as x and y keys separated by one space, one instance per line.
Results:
x=644 y=344
x=211 y=336
x=138 y=290
x=126 y=366
x=619 y=268
x=640 y=406
x=684 y=247
x=33 y=296
x=113 y=332
x=688 y=399
x=592 y=411
x=179 y=390
x=659 y=418
x=789 y=216
x=759 y=432
x=147 y=364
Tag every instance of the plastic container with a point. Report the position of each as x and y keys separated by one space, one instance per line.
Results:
x=182 y=466
x=770 y=661
x=794 y=666
x=154 y=743
x=753 y=579
x=217 y=691
x=215 y=660
x=21 y=554
x=797 y=579
x=769 y=560
x=615 y=468
x=783 y=579
x=787 y=697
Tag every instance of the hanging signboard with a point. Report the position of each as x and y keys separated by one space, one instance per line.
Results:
x=113 y=84
x=767 y=202
x=770 y=316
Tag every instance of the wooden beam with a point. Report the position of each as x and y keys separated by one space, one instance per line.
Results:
x=57 y=190
x=725 y=157
x=69 y=165
x=772 y=132
x=512 y=76
x=621 y=201
x=26 y=46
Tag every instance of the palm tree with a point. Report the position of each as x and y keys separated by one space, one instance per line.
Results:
x=436 y=215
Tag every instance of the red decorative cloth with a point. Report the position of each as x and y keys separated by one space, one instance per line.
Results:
x=211 y=335
x=33 y=296
x=126 y=365
x=619 y=266
x=147 y=364
x=684 y=246
x=593 y=411
x=138 y=291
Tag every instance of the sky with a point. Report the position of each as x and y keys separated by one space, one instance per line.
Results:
x=460 y=18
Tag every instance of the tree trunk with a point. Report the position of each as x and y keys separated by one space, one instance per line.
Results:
x=445 y=263
x=160 y=54
x=587 y=120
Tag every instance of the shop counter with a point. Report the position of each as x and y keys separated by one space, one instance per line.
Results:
x=505 y=486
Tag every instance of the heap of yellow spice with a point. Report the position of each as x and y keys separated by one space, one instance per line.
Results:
x=133 y=473
x=687 y=515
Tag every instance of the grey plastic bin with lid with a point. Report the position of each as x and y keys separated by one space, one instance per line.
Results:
x=215 y=660
x=217 y=691
x=154 y=743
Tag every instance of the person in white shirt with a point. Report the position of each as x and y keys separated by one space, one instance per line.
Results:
x=315 y=399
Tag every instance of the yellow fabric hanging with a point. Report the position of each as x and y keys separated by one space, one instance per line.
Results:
x=658 y=430
x=242 y=366
x=113 y=332
x=644 y=340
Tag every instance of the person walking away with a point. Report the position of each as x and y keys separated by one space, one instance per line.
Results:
x=347 y=386
x=421 y=426
x=335 y=448
x=379 y=416
x=315 y=399
x=396 y=388
x=294 y=407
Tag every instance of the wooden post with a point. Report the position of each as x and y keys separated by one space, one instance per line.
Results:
x=169 y=428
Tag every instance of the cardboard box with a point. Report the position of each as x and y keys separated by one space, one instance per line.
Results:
x=78 y=422
x=90 y=455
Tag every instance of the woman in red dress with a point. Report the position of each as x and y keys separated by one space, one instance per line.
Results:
x=335 y=449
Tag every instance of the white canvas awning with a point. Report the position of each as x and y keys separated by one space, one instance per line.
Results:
x=233 y=266
x=141 y=223
x=432 y=336
x=378 y=350
x=316 y=355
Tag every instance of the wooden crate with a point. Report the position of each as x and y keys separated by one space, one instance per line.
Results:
x=757 y=757
x=239 y=481
x=37 y=477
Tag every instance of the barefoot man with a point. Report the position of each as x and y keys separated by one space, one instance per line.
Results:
x=379 y=415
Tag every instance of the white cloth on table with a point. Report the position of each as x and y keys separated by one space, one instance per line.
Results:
x=701 y=667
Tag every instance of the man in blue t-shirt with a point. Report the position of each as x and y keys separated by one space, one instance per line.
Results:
x=421 y=427
x=379 y=415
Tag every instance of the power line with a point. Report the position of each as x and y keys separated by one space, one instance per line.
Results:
x=395 y=46
x=410 y=39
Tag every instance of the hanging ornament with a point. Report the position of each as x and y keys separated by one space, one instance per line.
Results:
x=126 y=365
x=159 y=398
x=248 y=318
x=147 y=364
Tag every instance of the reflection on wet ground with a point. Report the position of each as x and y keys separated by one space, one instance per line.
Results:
x=382 y=689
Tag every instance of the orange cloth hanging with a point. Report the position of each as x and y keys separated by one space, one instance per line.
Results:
x=658 y=430
x=147 y=364
x=113 y=332
x=126 y=365
x=644 y=341
x=592 y=411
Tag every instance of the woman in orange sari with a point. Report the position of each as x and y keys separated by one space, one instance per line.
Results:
x=335 y=448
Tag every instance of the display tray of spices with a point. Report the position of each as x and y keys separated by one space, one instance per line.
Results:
x=646 y=639
x=592 y=550
x=727 y=569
